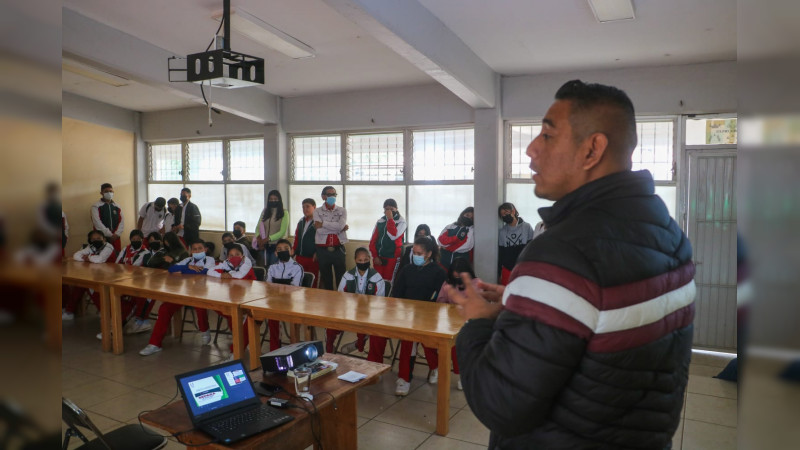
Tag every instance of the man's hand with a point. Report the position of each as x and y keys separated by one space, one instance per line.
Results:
x=179 y=227
x=226 y=275
x=388 y=213
x=492 y=292
x=85 y=258
x=196 y=268
x=470 y=302
x=317 y=224
x=113 y=237
x=378 y=261
x=175 y=228
x=169 y=259
x=346 y=227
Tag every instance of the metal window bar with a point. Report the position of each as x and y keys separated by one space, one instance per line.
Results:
x=375 y=157
x=246 y=160
x=166 y=162
x=443 y=154
x=316 y=158
x=654 y=150
x=521 y=137
x=205 y=161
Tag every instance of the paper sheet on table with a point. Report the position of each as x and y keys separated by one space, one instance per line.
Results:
x=352 y=376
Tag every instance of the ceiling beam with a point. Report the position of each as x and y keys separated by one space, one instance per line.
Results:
x=89 y=40
x=416 y=34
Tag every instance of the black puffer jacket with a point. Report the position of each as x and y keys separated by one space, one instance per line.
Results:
x=593 y=347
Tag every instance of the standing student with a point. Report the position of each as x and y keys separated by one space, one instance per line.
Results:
x=285 y=271
x=514 y=235
x=196 y=264
x=272 y=226
x=330 y=222
x=152 y=216
x=419 y=281
x=457 y=239
x=97 y=251
x=386 y=243
x=304 y=248
x=362 y=279
x=173 y=216
x=236 y=267
x=190 y=219
x=107 y=216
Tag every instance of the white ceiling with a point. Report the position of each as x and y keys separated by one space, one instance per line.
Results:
x=516 y=37
x=513 y=37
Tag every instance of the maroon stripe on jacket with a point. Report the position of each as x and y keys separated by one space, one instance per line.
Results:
x=547 y=315
x=579 y=285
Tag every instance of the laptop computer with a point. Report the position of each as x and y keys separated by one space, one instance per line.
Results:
x=221 y=401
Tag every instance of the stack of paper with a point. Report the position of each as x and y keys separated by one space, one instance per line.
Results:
x=352 y=376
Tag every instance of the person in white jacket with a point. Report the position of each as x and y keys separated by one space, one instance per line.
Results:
x=97 y=251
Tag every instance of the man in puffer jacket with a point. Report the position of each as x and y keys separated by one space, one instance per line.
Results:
x=590 y=347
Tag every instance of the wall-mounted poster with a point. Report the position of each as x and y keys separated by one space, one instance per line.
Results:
x=720 y=131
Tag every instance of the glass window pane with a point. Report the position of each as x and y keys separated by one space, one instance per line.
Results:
x=711 y=131
x=444 y=154
x=375 y=157
x=244 y=202
x=521 y=137
x=210 y=199
x=167 y=191
x=437 y=205
x=669 y=194
x=316 y=158
x=654 y=150
x=205 y=161
x=165 y=162
x=247 y=159
x=300 y=192
x=365 y=207
x=527 y=204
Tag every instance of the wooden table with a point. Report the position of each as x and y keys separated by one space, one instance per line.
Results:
x=337 y=421
x=199 y=291
x=43 y=281
x=99 y=277
x=435 y=325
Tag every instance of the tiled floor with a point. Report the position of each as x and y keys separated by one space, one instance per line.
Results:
x=114 y=389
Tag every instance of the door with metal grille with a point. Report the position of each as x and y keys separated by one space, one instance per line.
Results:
x=711 y=226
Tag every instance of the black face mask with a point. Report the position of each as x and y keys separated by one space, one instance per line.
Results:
x=273 y=205
x=238 y=233
x=396 y=215
x=466 y=221
x=283 y=256
x=97 y=244
x=362 y=266
x=136 y=245
x=155 y=246
x=184 y=198
x=508 y=219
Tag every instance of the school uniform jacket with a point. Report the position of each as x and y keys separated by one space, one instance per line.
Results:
x=457 y=239
x=304 y=236
x=593 y=347
x=387 y=237
x=289 y=270
x=512 y=241
x=132 y=257
x=243 y=272
x=191 y=220
x=101 y=255
x=223 y=254
x=107 y=218
x=183 y=266
x=373 y=285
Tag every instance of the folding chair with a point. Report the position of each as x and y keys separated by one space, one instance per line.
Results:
x=128 y=437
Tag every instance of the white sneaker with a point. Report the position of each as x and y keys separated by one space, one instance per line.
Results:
x=100 y=336
x=139 y=326
x=460 y=387
x=433 y=377
x=67 y=316
x=228 y=358
x=205 y=337
x=149 y=350
x=350 y=347
x=403 y=387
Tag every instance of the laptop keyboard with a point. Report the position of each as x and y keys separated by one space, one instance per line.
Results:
x=264 y=413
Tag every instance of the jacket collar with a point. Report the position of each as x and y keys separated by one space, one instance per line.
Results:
x=617 y=185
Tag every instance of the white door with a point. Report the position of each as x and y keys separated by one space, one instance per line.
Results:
x=711 y=227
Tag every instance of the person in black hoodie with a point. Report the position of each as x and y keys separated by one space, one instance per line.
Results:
x=422 y=231
x=590 y=347
x=421 y=280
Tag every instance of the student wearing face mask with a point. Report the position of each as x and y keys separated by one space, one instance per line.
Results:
x=97 y=251
x=152 y=216
x=140 y=322
x=196 y=264
x=285 y=271
x=173 y=215
x=236 y=267
x=304 y=248
x=189 y=219
x=419 y=281
x=171 y=250
x=330 y=222
x=457 y=239
x=107 y=216
x=514 y=236
x=134 y=254
x=240 y=237
x=362 y=279
x=386 y=243
x=272 y=226
x=229 y=238
x=423 y=230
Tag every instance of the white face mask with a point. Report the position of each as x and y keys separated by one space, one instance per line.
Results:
x=108 y=195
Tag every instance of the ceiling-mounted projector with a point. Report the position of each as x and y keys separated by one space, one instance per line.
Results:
x=220 y=67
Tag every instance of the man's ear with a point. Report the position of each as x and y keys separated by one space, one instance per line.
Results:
x=595 y=150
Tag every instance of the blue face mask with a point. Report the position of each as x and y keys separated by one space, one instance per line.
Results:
x=418 y=260
x=198 y=256
x=330 y=201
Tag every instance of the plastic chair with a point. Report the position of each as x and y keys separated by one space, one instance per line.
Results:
x=308 y=279
x=128 y=437
x=387 y=289
x=260 y=272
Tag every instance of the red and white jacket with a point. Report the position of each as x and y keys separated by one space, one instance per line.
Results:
x=243 y=272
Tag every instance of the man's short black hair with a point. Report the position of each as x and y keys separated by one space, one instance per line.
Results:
x=362 y=250
x=600 y=108
x=283 y=241
x=310 y=201
x=136 y=233
x=160 y=202
x=326 y=188
x=105 y=185
x=187 y=190
x=174 y=201
x=154 y=235
x=227 y=234
x=197 y=241
x=390 y=202
x=239 y=223
x=92 y=233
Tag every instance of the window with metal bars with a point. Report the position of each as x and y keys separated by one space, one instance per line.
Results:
x=654 y=150
x=375 y=157
x=166 y=162
x=317 y=158
x=205 y=161
x=443 y=155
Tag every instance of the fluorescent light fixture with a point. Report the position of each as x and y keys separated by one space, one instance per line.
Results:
x=267 y=35
x=612 y=10
x=94 y=73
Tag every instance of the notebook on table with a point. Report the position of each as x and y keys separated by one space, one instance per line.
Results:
x=221 y=402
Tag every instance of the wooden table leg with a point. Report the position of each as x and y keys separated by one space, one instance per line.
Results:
x=52 y=305
x=255 y=349
x=236 y=332
x=308 y=332
x=116 y=317
x=105 y=317
x=177 y=322
x=295 y=332
x=443 y=398
x=339 y=429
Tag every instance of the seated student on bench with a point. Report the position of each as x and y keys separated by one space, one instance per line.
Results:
x=285 y=271
x=196 y=264
x=140 y=323
x=97 y=251
x=237 y=267
x=228 y=238
x=362 y=279
x=134 y=254
x=171 y=251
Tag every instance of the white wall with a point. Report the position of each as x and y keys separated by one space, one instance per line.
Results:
x=192 y=123
x=408 y=106
x=98 y=113
x=703 y=88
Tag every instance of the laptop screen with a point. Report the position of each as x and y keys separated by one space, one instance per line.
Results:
x=216 y=388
